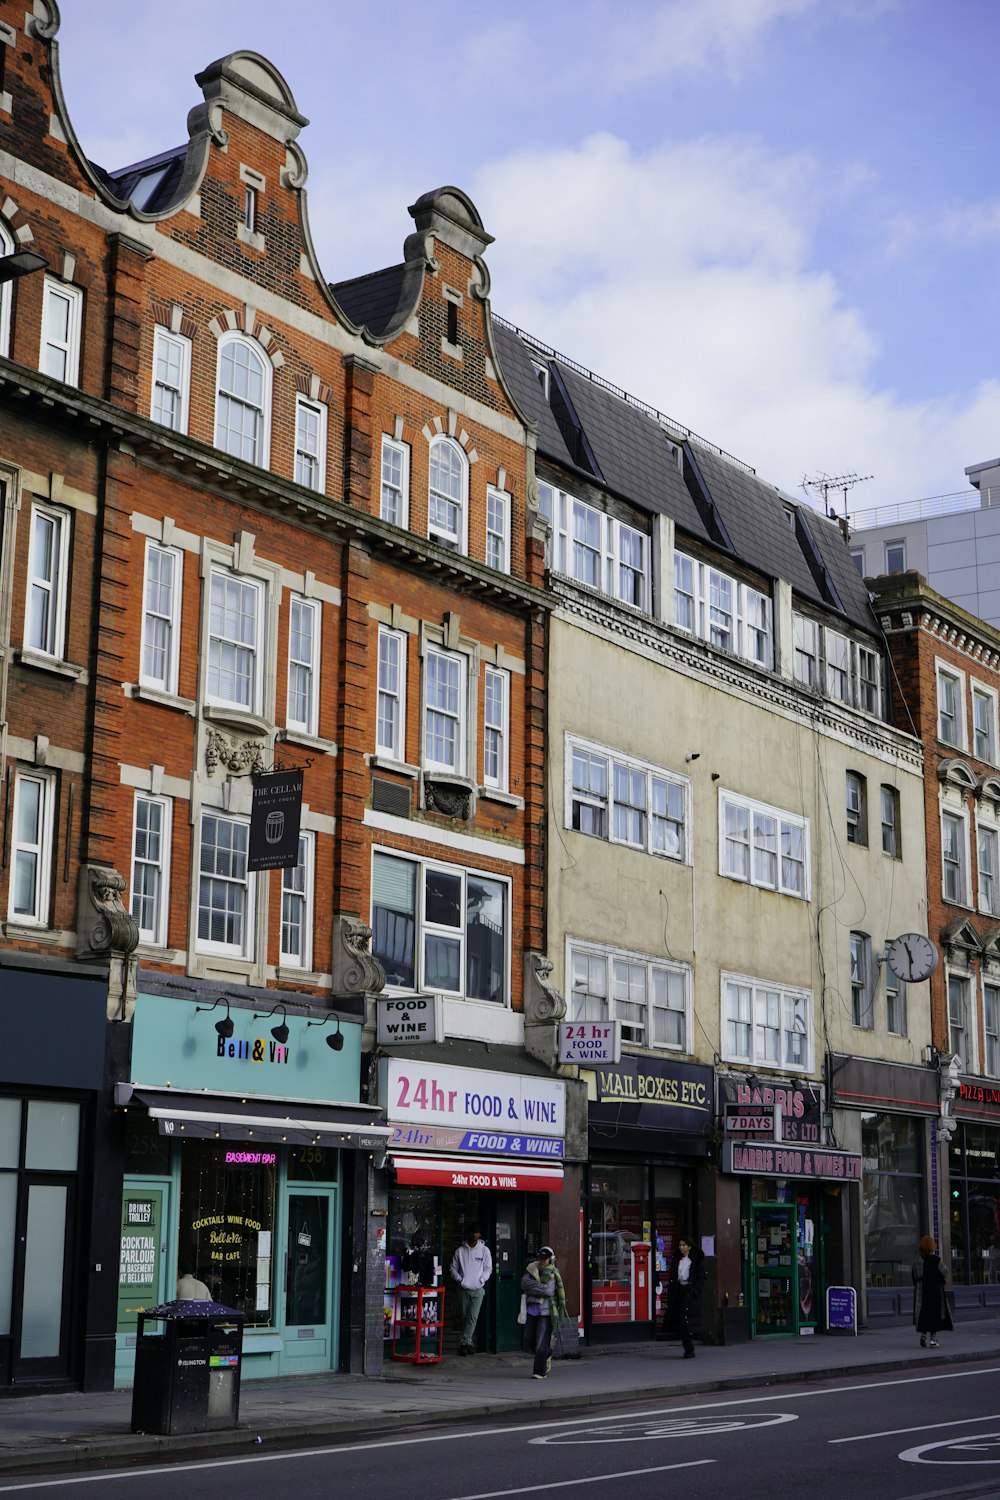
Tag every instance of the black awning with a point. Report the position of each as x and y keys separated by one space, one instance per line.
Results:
x=290 y=1122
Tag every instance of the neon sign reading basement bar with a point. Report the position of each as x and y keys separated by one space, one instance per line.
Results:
x=250 y=1158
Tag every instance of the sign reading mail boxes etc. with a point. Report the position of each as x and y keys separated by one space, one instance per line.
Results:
x=411 y=1018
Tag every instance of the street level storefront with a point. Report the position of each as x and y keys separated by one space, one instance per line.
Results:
x=649 y=1126
x=888 y=1112
x=974 y=1190
x=794 y=1196
x=56 y=1259
x=243 y=1134
x=470 y=1144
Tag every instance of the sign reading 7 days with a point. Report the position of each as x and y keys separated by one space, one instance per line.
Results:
x=432 y=1094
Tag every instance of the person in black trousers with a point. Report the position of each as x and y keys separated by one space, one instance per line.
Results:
x=685 y=1292
x=931 y=1312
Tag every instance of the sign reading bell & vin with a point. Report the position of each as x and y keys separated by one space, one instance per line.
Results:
x=274 y=820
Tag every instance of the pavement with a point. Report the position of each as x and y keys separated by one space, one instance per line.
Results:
x=78 y=1430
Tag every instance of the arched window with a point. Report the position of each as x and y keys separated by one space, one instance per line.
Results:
x=447 y=495
x=6 y=248
x=243 y=400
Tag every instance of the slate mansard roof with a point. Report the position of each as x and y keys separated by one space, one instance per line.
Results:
x=591 y=430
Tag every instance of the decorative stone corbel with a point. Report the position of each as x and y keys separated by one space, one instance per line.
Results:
x=355 y=969
x=107 y=933
x=544 y=1008
x=236 y=756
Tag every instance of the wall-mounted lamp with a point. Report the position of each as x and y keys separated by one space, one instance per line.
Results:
x=279 y=1032
x=21 y=263
x=695 y=755
x=226 y=1027
x=334 y=1042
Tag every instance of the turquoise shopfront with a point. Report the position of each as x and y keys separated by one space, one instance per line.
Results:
x=243 y=1130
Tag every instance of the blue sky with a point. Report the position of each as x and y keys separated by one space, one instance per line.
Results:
x=776 y=220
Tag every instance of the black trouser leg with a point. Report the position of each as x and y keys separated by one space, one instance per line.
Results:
x=542 y=1336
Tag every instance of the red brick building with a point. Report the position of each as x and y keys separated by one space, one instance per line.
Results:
x=250 y=519
x=947 y=685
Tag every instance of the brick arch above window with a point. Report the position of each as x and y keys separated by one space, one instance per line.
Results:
x=314 y=388
x=245 y=322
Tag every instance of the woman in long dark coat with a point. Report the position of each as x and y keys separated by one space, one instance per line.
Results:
x=685 y=1293
x=931 y=1312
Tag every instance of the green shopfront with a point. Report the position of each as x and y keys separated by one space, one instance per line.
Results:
x=242 y=1149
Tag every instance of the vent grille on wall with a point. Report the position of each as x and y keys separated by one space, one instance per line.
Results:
x=390 y=797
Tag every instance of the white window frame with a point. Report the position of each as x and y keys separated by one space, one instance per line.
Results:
x=958 y=997
x=868 y=678
x=395 y=493
x=216 y=638
x=247 y=883
x=390 y=704
x=953 y=859
x=991 y=1028
x=890 y=827
x=260 y=449
x=459 y=715
x=308 y=668
x=170 y=618
x=39 y=849
x=759 y=854
x=862 y=988
x=589 y=546
x=583 y=805
x=310 y=449
x=747 y=1014
x=837 y=653
x=900 y=544
x=496 y=728
x=425 y=930
x=298 y=886
x=727 y=613
x=154 y=933
x=988 y=869
x=856 y=798
x=950 y=683
x=66 y=347
x=166 y=343
x=53 y=585
x=984 y=722
x=498 y=529
x=457 y=537
x=6 y=294
x=606 y=984
x=807 y=660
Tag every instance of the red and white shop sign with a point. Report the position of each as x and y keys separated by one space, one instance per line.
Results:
x=440 y=1171
x=611 y=1304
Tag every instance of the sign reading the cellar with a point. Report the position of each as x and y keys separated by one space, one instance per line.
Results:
x=274 y=821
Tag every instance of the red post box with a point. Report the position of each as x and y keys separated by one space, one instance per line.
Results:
x=642 y=1281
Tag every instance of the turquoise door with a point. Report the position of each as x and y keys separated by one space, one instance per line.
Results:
x=311 y=1280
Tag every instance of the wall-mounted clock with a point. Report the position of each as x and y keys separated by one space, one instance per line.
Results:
x=912 y=956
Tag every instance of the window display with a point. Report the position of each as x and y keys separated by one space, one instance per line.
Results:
x=226 y=1228
x=892 y=1188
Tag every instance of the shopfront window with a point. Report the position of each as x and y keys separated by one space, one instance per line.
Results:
x=974 y=1164
x=227 y=1222
x=893 y=1197
x=618 y=1212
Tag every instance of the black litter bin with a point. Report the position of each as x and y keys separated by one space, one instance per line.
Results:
x=187 y=1371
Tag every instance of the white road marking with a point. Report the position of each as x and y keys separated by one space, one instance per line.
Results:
x=957 y=1448
x=561 y=1484
x=679 y=1424
x=865 y=1437
x=287 y=1454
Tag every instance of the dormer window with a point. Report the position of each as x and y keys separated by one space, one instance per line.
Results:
x=542 y=375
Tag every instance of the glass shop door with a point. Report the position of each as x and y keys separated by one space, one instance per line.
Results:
x=774 y=1294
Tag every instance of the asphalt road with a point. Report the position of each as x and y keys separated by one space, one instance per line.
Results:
x=894 y=1437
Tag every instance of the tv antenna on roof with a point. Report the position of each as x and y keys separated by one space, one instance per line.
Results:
x=824 y=483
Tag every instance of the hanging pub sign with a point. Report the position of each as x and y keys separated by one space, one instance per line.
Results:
x=274 y=820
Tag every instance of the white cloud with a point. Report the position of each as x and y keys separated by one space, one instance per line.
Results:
x=685 y=275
